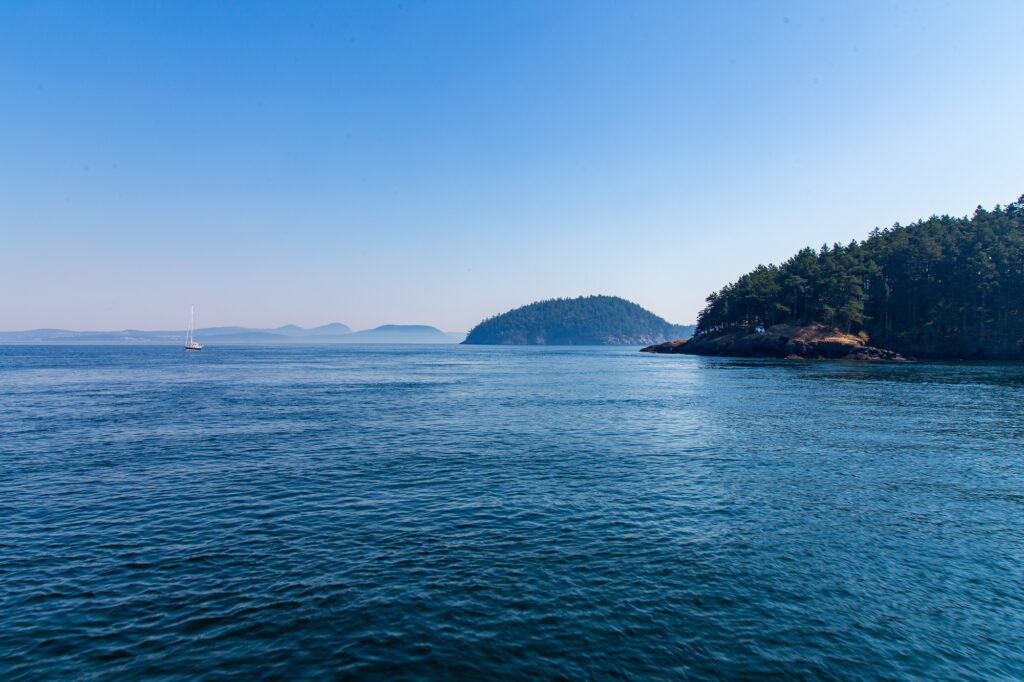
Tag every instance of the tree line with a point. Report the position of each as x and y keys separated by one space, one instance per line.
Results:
x=942 y=287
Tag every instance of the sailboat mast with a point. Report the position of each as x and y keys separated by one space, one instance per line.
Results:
x=190 y=335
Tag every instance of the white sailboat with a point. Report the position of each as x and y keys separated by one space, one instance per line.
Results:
x=190 y=342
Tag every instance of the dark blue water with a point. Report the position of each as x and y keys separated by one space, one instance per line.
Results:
x=473 y=512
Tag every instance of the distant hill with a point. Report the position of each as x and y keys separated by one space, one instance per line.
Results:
x=400 y=333
x=334 y=332
x=296 y=332
x=583 y=321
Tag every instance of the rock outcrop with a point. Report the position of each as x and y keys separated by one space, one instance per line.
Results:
x=782 y=341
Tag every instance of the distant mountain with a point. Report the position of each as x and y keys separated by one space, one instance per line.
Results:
x=587 y=320
x=400 y=333
x=293 y=331
x=334 y=332
x=66 y=336
x=332 y=329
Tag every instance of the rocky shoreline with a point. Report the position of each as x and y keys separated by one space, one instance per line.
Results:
x=782 y=341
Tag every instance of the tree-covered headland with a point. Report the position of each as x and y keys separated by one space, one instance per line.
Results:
x=587 y=320
x=943 y=287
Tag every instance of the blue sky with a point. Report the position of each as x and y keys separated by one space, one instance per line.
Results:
x=440 y=162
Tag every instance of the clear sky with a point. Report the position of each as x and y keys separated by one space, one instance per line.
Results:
x=439 y=162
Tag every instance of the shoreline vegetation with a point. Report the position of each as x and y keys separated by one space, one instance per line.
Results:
x=944 y=288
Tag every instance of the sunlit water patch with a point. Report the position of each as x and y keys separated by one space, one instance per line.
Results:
x=474 y=512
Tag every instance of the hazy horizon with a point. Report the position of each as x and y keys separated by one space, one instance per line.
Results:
x=441 y=163
x=183 y=327
x=352 y=328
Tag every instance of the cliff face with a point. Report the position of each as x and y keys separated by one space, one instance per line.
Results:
x=782 y=341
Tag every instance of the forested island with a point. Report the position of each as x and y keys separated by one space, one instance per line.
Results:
x=587 y=321
x=939 y=288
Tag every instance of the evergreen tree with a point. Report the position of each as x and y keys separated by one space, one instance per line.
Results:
x=942 y=287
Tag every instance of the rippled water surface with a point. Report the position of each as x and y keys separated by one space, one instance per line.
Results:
x=473 y=512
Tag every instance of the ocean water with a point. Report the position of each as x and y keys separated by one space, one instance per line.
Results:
x=484 y=512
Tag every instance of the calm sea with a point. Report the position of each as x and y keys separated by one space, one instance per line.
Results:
x=485 y=512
